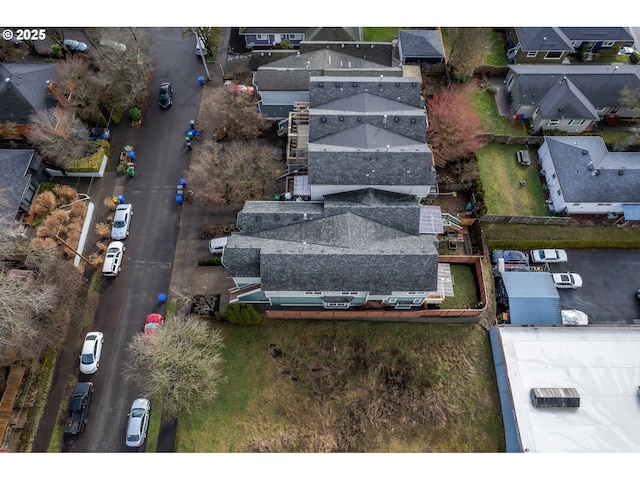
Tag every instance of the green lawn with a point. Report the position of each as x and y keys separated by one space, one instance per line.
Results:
x=501 y=175
x=484 y=103
x=335 y=386
x=498 y=56
x=380 y=34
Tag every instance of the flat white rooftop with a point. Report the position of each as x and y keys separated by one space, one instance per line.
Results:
x=601 y=363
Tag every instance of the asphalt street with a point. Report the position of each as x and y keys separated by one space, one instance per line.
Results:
x=161 y=160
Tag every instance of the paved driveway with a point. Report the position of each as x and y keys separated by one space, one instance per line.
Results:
x=611 y=279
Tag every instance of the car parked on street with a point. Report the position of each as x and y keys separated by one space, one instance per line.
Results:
x=165 y=97
x=574 y=317
x=113 y=259
x=121 y=221
x=138 y=422
x=91 y=352
x=548 y=255
x=75 y=46
x=567 y=280
x=152 y=323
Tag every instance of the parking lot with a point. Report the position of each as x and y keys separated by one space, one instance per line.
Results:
x=611 y=279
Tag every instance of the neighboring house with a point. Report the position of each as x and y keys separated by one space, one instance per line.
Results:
x=420 y=46
x=20 y=176
x=267 y=37
x=584 y=178
x=555 y=44
x=570 y=98
x=23 y=91
x=336 y=254
x=283 y=82
x=367 y=132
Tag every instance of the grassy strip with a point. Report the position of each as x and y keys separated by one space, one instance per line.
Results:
x=465 y=290
x=525 y=237
x=380 y=34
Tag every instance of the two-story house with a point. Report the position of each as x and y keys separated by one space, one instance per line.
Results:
x=556 y=44
x=570 y=98
x=352 y=249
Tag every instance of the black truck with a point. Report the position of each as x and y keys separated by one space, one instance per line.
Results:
x=78 y=407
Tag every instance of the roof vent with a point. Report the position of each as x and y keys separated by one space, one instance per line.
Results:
x=621 y=172
x=555 y=397
x=585 y=152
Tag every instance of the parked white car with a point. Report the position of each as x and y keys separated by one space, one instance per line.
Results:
x=548 y=255
x=138 y=422
x=567 y=280
x=121 y=221
x=91 y=352
x=574 y=317
x=113 y=259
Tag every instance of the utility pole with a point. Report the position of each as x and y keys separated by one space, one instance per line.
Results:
x=76 y=252
x=203 y=51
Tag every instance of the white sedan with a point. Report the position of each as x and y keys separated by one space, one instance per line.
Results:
x=627 y=51
x=548 y=255
x=574 y=317
x=138 y=422
x=91 y=352
x=567 y=280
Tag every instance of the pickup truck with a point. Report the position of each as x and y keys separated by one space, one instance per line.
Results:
x=78 y=407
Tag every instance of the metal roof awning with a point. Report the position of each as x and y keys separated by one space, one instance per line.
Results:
x=631 y=212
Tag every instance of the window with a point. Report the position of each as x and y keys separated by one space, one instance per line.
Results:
x=577 y=121
x=532 y=54
x=261 y=36
x=553 y=55
x=608 y=43
x=392 y=300
x=313 y=293
x=552 y=123
x=417 y=293
x=348 y=293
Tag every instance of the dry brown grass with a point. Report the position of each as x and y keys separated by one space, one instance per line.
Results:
x=348 y=387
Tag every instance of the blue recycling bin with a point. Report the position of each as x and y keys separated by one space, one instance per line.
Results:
x=121 y=199
x=162 y=298
x=201 y=80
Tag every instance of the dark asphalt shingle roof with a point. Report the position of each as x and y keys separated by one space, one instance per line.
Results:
x=26 y=92
x=14 y=178
x=575 y=158
x=338 y=252
x=600 y=84
x=421 y=43
x=546 y=39
x=564 y=100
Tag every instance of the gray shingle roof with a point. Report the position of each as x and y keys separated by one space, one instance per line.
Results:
x=421 y=43
x=564 y=100
x=591 y=34
x=575 y=158
x=600 y=84
x=397 y=211
x=339 y=252
x=26 y=92
x=547 y=39
x=14 y=178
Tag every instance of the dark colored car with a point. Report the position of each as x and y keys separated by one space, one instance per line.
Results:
x=509 y=256
x=98 y=133
x=165 y=96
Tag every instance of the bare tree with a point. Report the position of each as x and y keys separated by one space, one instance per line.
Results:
x=223 y=174
x=468 y=48
x=179 y=366
x=58 y=136
x=231 y=115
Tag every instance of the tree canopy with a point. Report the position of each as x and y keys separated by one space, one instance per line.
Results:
x=179 y=366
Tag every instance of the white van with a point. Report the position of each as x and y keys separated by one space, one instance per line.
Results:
x=216 y=245
x=200 y=50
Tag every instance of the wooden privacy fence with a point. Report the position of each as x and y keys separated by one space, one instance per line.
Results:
x=14 y=380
